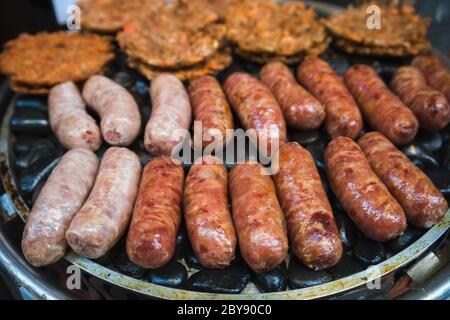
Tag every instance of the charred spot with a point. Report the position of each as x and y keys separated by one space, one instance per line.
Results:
x=323 y=219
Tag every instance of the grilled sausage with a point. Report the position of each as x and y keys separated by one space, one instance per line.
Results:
x=156 y=216
x=384 y=110
x=257 y=217
x=210 y=106
x=300 y=109
x=44 y=241
x=257 y=109
x=309 y=218
x=435 y=71
x=120 y=118
x=430 y=106
x=343 y=117
x=207 y=215
x=70 y=122
x=102 y=220
x=364 y=197
x=423 y=203
x=171 y=110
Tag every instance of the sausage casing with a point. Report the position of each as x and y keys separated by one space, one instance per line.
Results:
x=384 y=111
x=300 y=109
x=171 y=111
x=207 y=215
x=257 y=217
x=430 y=106
x=102 y=220
x=70 y=122
x=309 y=218
x=343 y=117
x=63 y=194
x=362 y=194
x=156 y=216
x=435 y=71
x=120 y=118
x=210 y=106
x=257 y=109
x=423 y=203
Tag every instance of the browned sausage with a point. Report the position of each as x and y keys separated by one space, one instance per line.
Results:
x=258 y=218
x=362 y=194
x=430 y=106
x=257 y=109
x=300 y=109
x=156 y=217
x=210 y=106
x=343 y=117
x=119 y=113
x=436 y=73
x=310 y=222
x=63 y=194
x=104 y=216
x=384 y=110
x=423 y=203
x=70 y=122
x=207 y=215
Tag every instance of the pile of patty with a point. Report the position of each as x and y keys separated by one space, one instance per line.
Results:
x=185 y=38
x=263 y=30
x=402 y=32
x=110 y=16
x=35 y=63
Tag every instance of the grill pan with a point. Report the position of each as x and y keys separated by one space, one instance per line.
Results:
x=21 y=198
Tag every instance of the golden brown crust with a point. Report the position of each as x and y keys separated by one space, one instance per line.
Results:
x=180 y=35
x=265 y=27
x=37 y=62
x=111 y=15
x=402 y=32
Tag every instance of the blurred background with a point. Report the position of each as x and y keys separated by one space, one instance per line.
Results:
x=37 y=15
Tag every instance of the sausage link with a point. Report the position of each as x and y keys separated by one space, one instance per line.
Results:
x=257 y=109
x=120 y=118
x=207 y=215
x=423 y=203
x=70 y=122
x=63 y=194
x=384 y=110
x=171 y=111
x=157 y=213
x=362 y=194
x=310 y=222
x=300 y=109
x=104 y=216
x=210 y=106
x=435 y=71
x=430 y=106
x=257 y=217
x=343 y=117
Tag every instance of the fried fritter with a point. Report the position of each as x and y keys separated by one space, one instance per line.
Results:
x=263 y=58
x=394 y=51
x=219 y=61
x=45 y=59
x=26 y=89
x=111 y=15
x=402 y=31
x=181 y=35
x=284 y=29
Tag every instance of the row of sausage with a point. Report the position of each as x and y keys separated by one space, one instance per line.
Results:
x=90 y=208
x=274 y=101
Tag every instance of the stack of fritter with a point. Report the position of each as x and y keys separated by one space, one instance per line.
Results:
x=35 y=63
x=402 y=32
x=184 y=38
x=264 y=30
x=111 y=15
